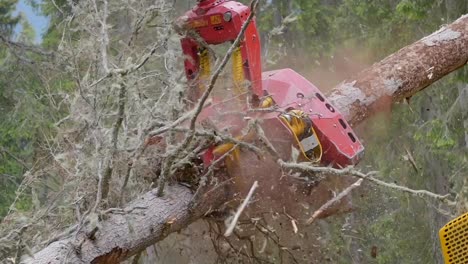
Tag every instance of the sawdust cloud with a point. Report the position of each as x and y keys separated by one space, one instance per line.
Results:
x=328 y=71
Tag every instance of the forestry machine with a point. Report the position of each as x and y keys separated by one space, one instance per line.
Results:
x=293 y=111
x=301 y=114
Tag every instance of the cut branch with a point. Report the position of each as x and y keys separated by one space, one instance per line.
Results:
x=333 y=201
x=241 y=208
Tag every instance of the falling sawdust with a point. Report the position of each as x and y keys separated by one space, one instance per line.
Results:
x=328 y=71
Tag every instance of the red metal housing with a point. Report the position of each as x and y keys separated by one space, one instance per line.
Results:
x=218 y=22
x=341 y=147
x=221 y=21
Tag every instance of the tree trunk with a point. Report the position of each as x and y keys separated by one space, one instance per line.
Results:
x=142 y=223
x=404 y=73
x=150 y=219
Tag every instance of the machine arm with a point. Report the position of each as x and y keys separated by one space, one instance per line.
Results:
x=217 y=22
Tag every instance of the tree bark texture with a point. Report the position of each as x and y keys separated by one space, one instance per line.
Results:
x=145 y=221
x=397 y=77
x=404 y=73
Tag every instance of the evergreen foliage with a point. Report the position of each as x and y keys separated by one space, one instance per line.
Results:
x=7 y=20
x=27 y=109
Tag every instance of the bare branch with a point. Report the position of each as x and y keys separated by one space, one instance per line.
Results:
x=114 y=140
x=25 y=47
x=241 y=208
x=4 y=150
x=333 y=201
x=350 y=171
x=104 y=35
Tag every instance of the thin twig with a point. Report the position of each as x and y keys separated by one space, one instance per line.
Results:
x=411 y=159
x=128 y=69
x=4 y=150
x=123 y=211
x=204 y=178
x=241 y=208
x=333 y=201
x=57 y=7
x=177 y=122
x=99 y=192
x=124 y=185
x=350 y=171
x=19 y=244
x=22 y=46
x=68 y=232
x=223 y=138
x=265 y=141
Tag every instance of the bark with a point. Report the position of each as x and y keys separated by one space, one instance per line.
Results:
x=121 y=235
x=404 y=73
x=398 y=76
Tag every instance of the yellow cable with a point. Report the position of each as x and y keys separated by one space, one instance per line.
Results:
x=267 y=102
x=238 y=72
x=297 y=127
x=205 y=69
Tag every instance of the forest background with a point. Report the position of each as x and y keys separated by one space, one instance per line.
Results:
x=421 y=143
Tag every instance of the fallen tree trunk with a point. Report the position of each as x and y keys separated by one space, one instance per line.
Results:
x=150 y=219
x=404 y=73
x=142 y=223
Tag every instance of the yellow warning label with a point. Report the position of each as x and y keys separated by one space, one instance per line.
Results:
x=199 y=23
x=215 y=20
